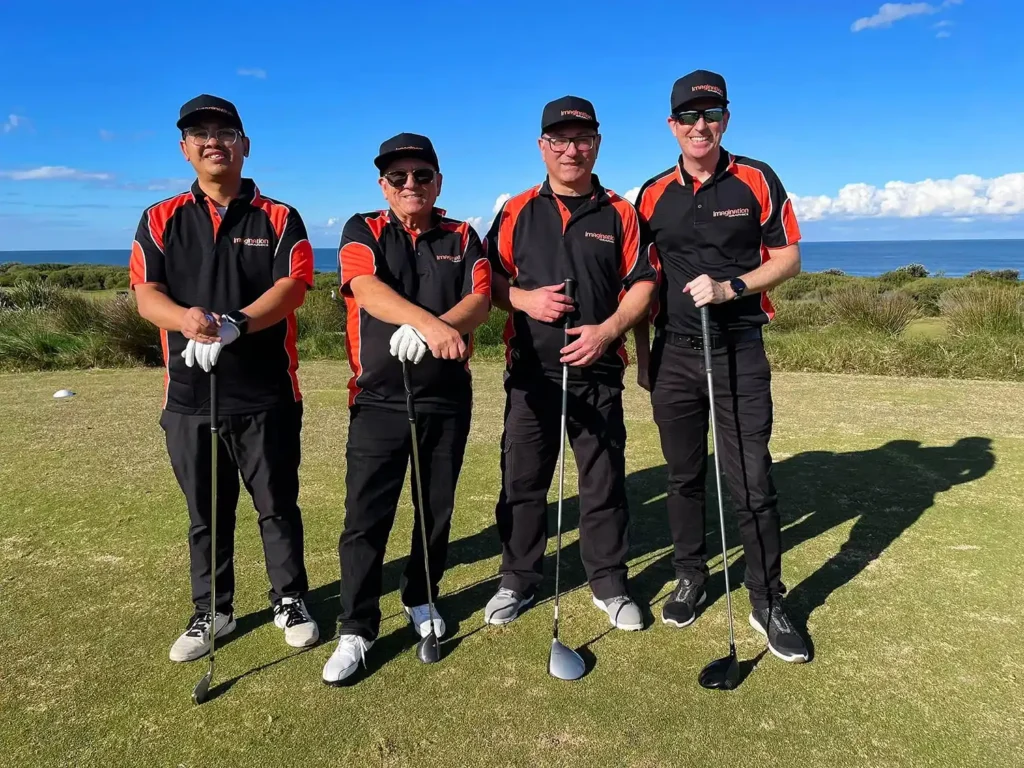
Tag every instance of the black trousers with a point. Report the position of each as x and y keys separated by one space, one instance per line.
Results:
x=743 y=400
x=529 y=459
x=264 y=448
x=378 y=452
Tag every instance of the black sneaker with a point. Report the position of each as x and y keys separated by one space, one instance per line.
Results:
x=783 y=639
x=680 y=609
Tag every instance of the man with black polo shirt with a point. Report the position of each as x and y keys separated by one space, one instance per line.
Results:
x=221 y=269
x=726 y=233
x=416 y=284
x=569 y=226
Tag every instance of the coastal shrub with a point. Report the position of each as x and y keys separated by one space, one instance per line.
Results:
x=30 y=294
x=1011 y=275
x=795 y=315
x=927 y=290
x=319 y=314
x=128 y=335
x=991 y=310
x=861 y=308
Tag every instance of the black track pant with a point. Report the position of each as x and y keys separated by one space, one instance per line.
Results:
x=378 y=453
x=265 y=449
x=743 y=400
x=529 y=460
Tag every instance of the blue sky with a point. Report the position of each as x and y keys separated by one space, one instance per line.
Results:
x=895 y=121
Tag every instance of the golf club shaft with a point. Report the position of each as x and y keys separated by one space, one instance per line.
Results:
x=570 y=291
x=411 y=408
x=718 y=471
x=213 y=511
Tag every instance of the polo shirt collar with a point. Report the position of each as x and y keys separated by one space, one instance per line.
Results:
x=435 y=218
x=725 y=162
x=247 y=193
x=598 y=192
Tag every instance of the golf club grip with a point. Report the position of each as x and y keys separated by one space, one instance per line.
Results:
x=706 y=333
x=570 y=291
x=407 y=380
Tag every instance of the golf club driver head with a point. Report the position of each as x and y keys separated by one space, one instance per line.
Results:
x=721 y=674
x=564 y=663
x=428 y=650
x=202 y=689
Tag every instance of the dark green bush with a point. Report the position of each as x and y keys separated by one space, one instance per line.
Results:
x=887 y=313
x=984 y=310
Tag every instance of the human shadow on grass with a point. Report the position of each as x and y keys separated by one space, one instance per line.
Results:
x=883 y=490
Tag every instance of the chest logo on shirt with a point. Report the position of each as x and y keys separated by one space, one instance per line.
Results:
x=600 y=236
x=252 y=242
x=454 y=258
x=731 y=213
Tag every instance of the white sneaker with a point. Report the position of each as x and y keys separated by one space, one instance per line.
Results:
x=345 y=659
x=419 y=617
x=194 y=642
x=299 y=628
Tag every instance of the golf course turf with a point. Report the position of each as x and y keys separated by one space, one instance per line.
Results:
x=902 y=514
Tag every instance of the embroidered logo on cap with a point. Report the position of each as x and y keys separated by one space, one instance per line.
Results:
x=577 y=113
x=713 y=88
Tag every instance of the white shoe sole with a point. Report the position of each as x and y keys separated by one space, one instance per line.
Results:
x=226 y=630
x=346 y=673
x=618 y=625
x=674 y=623
x=303 y=643
x=790 y=657
x=501 y=622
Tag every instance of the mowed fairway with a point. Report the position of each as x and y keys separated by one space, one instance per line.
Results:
x=901 y=501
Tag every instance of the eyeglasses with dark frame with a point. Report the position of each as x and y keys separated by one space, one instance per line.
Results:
x=420 y=176
x=560 y=144
x=691 y=116
x=200 y=136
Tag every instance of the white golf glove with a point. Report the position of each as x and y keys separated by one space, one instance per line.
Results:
x=206 y=354
x=408 y=345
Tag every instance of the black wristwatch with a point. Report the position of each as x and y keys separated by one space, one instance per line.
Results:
x=738 y=286
x=238 y=319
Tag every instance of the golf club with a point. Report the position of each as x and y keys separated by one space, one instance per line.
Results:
x=724 y=673
x=428 y=650
x=202 y=689
x=563 y=663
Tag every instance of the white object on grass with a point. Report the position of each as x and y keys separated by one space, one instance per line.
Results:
x=63 y=393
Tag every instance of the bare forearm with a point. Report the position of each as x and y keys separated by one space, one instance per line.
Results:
x=385 y=304
x=501 y=292
x=783 y=264
x=632 y=309
x=465 y=316
x=159 y=308
x=642 y=337
x=283 y=297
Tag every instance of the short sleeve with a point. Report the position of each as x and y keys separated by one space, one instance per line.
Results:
x=779 y=227
x=294 y=255
x=477 y=279
x=491 y=245
x=358 y=254
x=639 y=260
x=146 y=263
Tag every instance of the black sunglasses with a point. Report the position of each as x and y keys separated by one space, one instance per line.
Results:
x=421 y=176
x=691 y=116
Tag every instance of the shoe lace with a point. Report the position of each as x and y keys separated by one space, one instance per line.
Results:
x=295 y=613
x=356 y=641
x=198 y=625
x=684 y=589
x=506 y=592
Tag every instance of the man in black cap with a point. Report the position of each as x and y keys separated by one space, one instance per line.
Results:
x=726 y=233
x=221 y=269
x=569 y=226
x=414 y=282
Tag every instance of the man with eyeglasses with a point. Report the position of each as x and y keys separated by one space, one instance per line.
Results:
x=726 y=233
x=416 y=284
x=221 y=269
x=568 y=226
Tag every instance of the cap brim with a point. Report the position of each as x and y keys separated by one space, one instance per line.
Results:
x=384 y=160
x=570 y=121
x=683 y=104
x=197 y=115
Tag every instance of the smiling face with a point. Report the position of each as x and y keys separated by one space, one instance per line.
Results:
x=215 y=149
x=418 y=187
x=702 y=139
x=566 y=161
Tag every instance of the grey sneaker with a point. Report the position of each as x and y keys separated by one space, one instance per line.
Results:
x=505 y=606
x=624 y=613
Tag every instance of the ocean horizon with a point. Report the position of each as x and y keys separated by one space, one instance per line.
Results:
x=952 y=258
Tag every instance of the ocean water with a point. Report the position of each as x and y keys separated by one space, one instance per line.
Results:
x=953 y=258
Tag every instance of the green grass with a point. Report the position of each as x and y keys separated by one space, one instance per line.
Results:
x=900 y=501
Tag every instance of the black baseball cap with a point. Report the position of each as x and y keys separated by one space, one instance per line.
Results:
x=699 y=84
x=568 y=109
x=192 y=111
x=406 y=145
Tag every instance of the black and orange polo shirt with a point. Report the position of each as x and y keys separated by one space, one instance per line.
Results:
x=724 y=228
x=536 y=241
x=223 y=264
x=436 y=270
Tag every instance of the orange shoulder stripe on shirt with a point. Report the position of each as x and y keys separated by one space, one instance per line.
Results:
x=789 y=223
x=649 y=200
x=137 y=265
x=161 y=213
x=630 y=234
x=377 y=224
x=482 y=277
x=462 y=227
x=509 y=216
x=276 y=212
x=758 y=184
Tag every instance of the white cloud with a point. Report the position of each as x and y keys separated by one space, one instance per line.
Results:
x=158 y=185
x=13 y=122
x=55 y=172
x=963 y=196
x=259 y=74
x=332 y=221
x=478 y=223
x=942 y=34
x=631 y=194
x=890 y=13
x=500 y=202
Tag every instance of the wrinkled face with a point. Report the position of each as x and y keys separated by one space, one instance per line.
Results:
x=699 y=127
x=215 y=149
x=411 y=186
x=570 y=151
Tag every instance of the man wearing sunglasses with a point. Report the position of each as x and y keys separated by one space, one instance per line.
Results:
x=569 y=226
x=221 y=269
x=726 y=233
x=416 y=284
